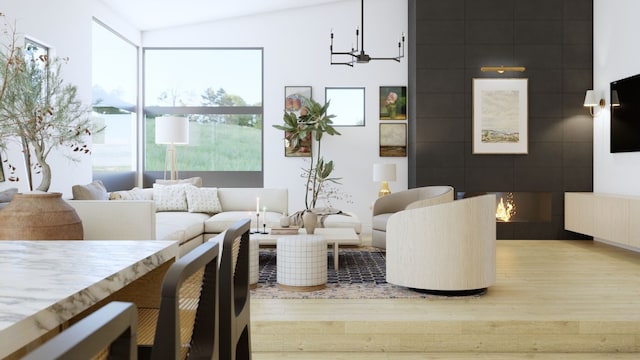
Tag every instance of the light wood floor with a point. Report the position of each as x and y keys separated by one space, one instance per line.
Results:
x=551 y=300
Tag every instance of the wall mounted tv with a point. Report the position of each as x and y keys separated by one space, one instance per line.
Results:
x=625 y=114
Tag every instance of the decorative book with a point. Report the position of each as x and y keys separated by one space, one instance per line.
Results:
x=291 y=230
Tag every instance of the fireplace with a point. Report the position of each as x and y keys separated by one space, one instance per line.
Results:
x=515 y=207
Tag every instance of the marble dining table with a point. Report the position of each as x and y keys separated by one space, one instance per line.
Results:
x=45 y=284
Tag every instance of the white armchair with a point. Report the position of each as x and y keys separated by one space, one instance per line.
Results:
x=447 y=248
x=387 y=205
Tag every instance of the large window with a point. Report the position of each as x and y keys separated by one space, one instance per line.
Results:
x=220 y=92
x=115 y=79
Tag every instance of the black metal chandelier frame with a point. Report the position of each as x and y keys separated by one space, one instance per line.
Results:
x=358 y=55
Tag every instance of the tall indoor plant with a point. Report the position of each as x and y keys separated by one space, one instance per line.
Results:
x=313 y=121
x=39 y=110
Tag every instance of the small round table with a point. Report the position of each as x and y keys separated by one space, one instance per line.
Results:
x=301 y=262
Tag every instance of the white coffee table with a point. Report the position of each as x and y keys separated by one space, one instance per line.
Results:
x=334 y=237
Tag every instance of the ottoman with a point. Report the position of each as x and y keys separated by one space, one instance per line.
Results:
x=301 y=262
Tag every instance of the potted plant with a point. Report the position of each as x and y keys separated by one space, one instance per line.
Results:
x=41 y=113
x=313 y=120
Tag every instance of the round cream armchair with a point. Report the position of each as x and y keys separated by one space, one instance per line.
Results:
x=447 y=248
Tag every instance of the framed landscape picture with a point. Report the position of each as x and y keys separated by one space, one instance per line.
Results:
x=393 y=102
x=393 y=139
x=294 y=98
x=500 y=116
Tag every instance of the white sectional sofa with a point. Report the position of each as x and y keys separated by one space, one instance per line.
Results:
x=143 y=220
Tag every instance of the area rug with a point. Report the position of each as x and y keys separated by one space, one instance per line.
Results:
x=360 y=275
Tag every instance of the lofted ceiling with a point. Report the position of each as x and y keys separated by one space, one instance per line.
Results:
x=157 y=14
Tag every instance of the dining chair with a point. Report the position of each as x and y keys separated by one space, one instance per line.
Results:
x=235 y=330
x=186 y=324
x=109 y=331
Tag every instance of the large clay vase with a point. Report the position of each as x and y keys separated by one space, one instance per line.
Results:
x=309 y=221
x=40 y=216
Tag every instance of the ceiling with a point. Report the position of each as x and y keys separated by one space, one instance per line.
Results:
x=155 y=14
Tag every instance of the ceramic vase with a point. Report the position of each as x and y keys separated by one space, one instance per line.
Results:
x=40 y=216
x=285 y=221
x=309 y=221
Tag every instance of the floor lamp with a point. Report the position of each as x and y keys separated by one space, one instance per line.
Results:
x=171 y=130
x=384 y=173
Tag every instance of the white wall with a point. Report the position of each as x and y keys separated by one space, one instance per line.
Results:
x=616 y=56
x=65 y=26
x=296 y=52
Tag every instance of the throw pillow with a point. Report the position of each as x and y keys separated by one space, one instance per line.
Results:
x=203 y=200
x=133 y=194
x=93 y=191
x=170 y=197
x=7 y=195
x=195 y=181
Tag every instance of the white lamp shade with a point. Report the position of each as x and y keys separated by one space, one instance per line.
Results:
x=590 y=98
x=384 y=172
x=172 y=130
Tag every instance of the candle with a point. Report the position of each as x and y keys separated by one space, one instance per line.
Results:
x=264 y=215
x=257 y=205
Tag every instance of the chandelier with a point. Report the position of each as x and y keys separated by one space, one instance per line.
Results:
x=359 y=55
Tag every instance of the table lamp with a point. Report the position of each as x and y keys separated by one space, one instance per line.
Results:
x=171 y=130
x=384 y=173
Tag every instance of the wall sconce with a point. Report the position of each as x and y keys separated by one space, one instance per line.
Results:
x=502 y=69
x=591 y=101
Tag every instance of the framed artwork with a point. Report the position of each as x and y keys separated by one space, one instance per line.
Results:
x=347 y=104
x=294 y=98
x=393 y=102
x=500 y=116
x=393 y=139
x=303 y=149
x=2 y=179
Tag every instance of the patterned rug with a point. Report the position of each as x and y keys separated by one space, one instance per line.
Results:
x=360 y=275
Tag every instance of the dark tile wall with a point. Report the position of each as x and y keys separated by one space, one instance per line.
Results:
x=451 y=40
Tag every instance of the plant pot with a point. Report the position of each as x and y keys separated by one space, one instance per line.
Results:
x=309 y=221
x=40 y=216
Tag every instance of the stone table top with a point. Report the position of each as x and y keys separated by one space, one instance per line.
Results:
x=45 y=283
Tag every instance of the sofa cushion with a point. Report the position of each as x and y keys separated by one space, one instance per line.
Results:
x=92 y=191
x=195 y=181
x=222 y=221
x=170 y=197
x=379 y=222
x=133 y=194
x=179 y=226
x=7 y=195
x=203 y=200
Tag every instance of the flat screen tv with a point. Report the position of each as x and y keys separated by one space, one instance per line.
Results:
x=625 y=114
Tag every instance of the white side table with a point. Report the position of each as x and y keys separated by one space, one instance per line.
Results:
x=254 y=260
x=302 y=262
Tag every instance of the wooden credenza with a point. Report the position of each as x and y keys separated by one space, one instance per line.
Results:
x=610 y=218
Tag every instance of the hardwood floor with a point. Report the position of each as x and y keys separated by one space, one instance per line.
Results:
x=551 y=300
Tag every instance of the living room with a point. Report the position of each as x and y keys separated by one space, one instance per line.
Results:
x=296 y=53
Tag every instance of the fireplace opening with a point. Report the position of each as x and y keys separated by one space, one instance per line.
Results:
x=518 y=206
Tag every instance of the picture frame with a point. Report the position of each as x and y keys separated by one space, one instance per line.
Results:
x=393 y=103
x=347 y=104
x=303 y=149
x=500 y=116
x=294 y=98
x=393 y=139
